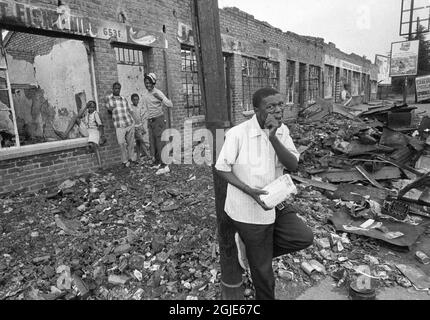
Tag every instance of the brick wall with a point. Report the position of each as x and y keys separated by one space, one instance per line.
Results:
x=32 y=173
x=41 y=171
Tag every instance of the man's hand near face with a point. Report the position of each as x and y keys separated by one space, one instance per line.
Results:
x=273 y=124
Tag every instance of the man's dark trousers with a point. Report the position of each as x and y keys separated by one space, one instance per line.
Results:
x=156 y=126
x=264 y=242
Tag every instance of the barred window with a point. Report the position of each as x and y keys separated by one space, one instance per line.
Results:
x=257 y=74
x=314 y=82
x=190 y=82
x=291 y=75
x=129 y=56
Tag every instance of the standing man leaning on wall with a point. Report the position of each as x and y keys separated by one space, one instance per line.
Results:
x=123 y=121
x=155 y=100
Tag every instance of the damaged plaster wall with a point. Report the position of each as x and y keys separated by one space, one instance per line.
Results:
x=62 y=74
x=46 y=79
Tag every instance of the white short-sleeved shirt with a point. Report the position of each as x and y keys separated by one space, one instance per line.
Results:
x=250 y=156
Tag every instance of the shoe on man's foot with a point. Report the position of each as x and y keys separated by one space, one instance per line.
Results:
x=241 y=252
x=157 y=166
x=126 y=164
x=163 y=171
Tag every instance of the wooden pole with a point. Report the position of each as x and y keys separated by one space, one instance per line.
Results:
x=411 y=17
x=207 y=43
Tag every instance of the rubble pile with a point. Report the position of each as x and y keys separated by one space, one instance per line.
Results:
x=365 y=170
x=118 y=235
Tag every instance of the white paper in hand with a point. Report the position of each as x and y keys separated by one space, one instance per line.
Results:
x=278 y=191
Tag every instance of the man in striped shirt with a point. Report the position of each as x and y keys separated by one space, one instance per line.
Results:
x=123 y=121
x=254 y=154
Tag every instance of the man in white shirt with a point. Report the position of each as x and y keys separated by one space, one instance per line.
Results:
x=346 y=95
x=255 y=154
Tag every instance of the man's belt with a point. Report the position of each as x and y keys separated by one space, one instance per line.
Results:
x=282 y=205
x=153 y=119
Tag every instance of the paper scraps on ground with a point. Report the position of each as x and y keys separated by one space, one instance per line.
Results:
x=398 y=233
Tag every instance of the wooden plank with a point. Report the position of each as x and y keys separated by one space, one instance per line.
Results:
x=386 y=173
x=352 y=192
x=316 y=184
x=210 y=63
x=369 y=177
x=400 y=165
x=357 y=148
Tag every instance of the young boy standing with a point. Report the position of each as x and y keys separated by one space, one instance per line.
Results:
x=95 y=129
x=139 y=130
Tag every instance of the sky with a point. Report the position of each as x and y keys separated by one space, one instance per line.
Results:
x=365 y=27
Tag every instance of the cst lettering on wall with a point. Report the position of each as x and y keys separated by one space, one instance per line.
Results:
x=59 y=19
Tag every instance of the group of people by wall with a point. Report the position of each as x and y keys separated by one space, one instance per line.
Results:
x=128 y=120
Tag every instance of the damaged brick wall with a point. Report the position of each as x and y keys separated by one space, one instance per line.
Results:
x=154 y=15
x=32 y=173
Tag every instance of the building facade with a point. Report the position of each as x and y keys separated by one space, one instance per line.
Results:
x=57 y=55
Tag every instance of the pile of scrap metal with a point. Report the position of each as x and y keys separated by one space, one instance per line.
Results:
x=375 y=160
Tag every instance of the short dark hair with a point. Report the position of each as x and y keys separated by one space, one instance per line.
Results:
x=262 y=93
x=134 y=95
x=91 y=101
x=117 y=84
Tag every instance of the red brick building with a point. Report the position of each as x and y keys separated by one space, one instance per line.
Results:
x=59 y=54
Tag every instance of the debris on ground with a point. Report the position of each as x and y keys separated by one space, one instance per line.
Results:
x=363 y=185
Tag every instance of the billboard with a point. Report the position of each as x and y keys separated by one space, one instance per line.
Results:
x=423 y=88
x=383 y=64
x=404 y=58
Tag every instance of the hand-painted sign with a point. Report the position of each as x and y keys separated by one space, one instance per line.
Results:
x=404 y=58
x=336 y=62
x=185 y=34
x=61 y=19
x=423 y=88
x=143 y=38
x=383 y=64
x=229 y=44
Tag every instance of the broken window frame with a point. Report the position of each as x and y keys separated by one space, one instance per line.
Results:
x=329 y=85
x=291 y=78
x=56 y=145
x=10 y=106
x=314 y=83
x=131 y=56
x=257 y=73
x=191 y=92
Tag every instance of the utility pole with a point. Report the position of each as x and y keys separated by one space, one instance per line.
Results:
x=207 y=44
x=411 y=17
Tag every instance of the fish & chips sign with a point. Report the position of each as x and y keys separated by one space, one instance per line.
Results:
x=61 y=19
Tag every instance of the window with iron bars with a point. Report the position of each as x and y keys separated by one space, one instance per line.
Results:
x=190 y=82
x=130 y=56
x=328 y=81
x=291 y=76
x=314 y=83
x=257 y=74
